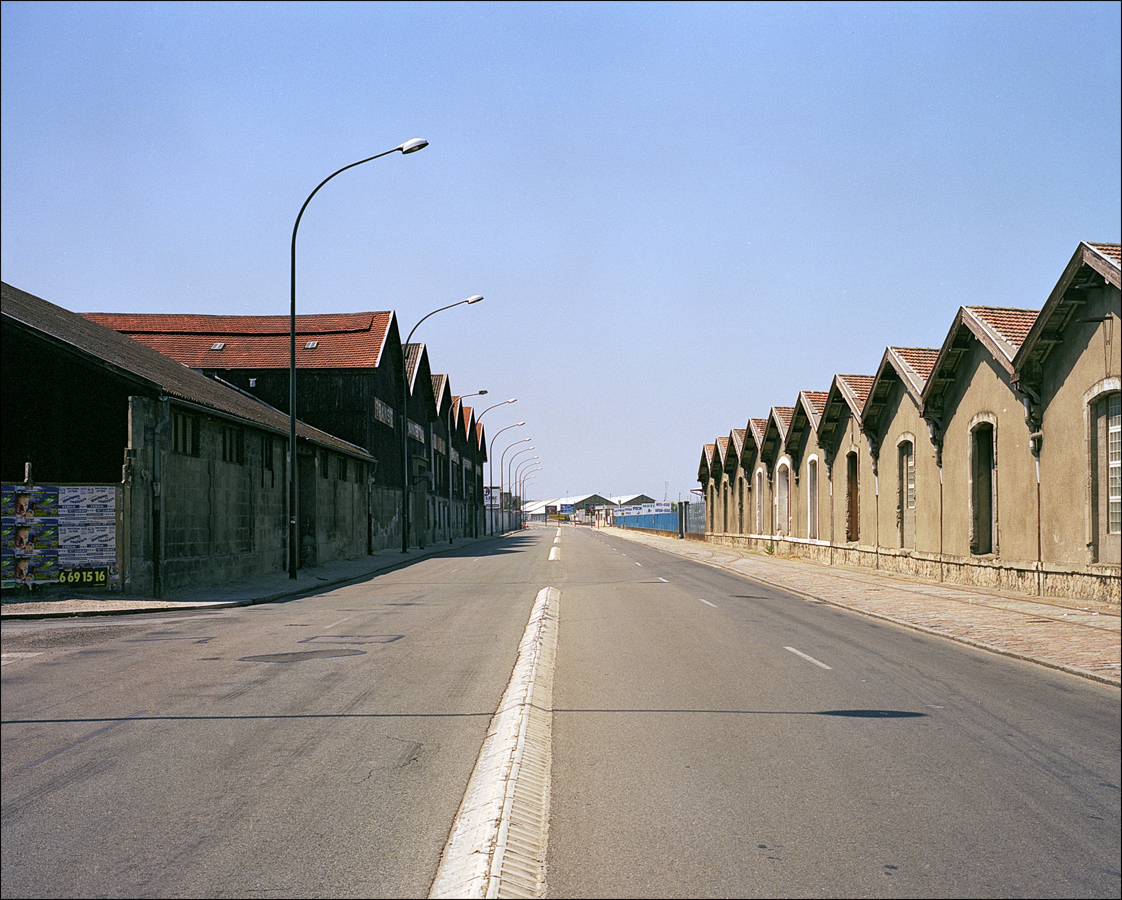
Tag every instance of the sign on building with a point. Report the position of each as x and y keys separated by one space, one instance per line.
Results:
x=52 y=534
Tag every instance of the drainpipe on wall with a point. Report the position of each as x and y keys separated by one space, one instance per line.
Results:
x=937 y=442
x=157 y=502
x=1031 y=402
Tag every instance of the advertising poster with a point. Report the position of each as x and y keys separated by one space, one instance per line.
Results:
x=58 y=534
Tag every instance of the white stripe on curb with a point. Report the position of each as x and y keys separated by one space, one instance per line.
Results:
x=498 y=840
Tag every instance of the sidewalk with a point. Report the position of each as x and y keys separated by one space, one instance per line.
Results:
x=265 y=589
x=1081 y=637
x=1076 y=636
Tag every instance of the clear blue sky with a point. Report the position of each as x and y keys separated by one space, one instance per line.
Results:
x=680 y=215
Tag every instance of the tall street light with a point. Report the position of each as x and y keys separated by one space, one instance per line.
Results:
x=406 y=481
x=408 y=147
x=515 y=481
x=502 y=462
x=461 y=398
x=491 y=463
x=511 y=468
x=528 y=475
x=477 y=418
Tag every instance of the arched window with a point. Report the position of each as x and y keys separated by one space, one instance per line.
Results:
x=759 y=502
x=906 y=494
x=983 y=479
x=1106 y=478
x=783 y=500
x=812 y=499
x=852 y=504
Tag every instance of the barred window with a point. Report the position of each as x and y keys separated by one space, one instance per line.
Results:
x=233 y=444
x=184 y=433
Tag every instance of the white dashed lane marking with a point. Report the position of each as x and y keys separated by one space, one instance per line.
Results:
x=807 y=658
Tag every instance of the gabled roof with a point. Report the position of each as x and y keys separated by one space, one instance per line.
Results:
x=1091 y=266
x=775 y=432
x=1000 y=330
x=909 y=366
x=750 y=442
x=419 y=378
x=847 y=393
x=705 y=467
x=442 y=392
x=735 y=448
x=631 y=499
x=719 y=454
x=804 y=421
x=341 y=340
x=137 y=362
x=757 y=428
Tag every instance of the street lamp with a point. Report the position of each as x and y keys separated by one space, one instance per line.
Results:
x=461 y=398
x=489 y=408
x=406 y=482
x=408 y=147
x=528 y=475
x=502 y=460
x=515 y=481
x=511 y=468
x=477 y=418
x=491 y=464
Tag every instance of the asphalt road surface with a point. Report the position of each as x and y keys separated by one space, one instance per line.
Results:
x=710 y=737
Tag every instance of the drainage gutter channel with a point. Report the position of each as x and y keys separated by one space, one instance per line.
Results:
x=497 y=845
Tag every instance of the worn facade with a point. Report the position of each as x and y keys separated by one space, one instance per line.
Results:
x=201 y=468
x=991 y=460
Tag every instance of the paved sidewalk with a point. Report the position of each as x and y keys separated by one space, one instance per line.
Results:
x=52 y=603
x=1078 y=636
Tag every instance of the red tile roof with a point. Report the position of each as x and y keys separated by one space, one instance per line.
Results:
x=921 y=359
x=1012 y=324
x=785 y=413
x=817 y=399
x=342 y=340
x=1112 y=252
x=860 y=385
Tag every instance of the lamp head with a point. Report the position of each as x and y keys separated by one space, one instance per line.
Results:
x=413 y=146
x=474 y=299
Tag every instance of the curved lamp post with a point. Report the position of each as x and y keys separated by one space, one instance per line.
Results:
x=502 y=462
x=461 y=398
x=406 y=481
x=528 y=475
x=408 y=147
x=515 y=482
x=490 y=461
x=491 y=476
x=512 y=471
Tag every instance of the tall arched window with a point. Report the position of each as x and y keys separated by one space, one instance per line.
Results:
x=812 y=499
x=982 y=475
x=783 y=500
x=759 y=502
x=852 y=504
x=1106 y=479
x=906 y=494
x=740 y=504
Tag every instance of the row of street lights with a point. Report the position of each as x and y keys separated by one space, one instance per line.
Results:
x=411 y=146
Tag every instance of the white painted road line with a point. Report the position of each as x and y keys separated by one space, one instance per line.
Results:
x=707 y=603
x=497 y=846
x=664 y=581
x=807 y=658
x=640 y=565
x=554 y=553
